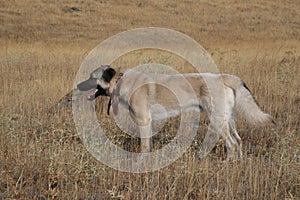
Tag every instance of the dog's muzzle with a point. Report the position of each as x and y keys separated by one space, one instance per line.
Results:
x=94 y=90
x=89 y=84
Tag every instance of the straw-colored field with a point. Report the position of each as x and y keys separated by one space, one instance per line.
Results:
x=42 y=44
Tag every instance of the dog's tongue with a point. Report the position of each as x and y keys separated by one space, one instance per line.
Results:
x=91 y=94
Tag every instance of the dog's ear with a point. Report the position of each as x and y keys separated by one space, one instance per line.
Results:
x=108 y=74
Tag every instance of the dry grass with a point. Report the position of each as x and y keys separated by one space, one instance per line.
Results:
x=41 y=156
x=94 y=20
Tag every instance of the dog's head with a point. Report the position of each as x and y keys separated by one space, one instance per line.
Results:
x=99 y=82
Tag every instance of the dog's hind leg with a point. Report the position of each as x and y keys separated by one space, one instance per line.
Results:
x=209 y=142
x=229 y=132
x=235 y=135
x=230 y=117
x=231 y=143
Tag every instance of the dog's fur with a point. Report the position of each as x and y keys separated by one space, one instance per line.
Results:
x=219 y=95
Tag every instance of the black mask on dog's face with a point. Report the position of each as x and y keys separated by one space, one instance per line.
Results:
x=104 y=73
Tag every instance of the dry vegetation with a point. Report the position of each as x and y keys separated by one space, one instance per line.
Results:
x=42 y=44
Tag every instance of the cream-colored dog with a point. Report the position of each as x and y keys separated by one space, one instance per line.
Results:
x=219 y=95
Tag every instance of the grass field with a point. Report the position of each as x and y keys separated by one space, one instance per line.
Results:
x=42 y=44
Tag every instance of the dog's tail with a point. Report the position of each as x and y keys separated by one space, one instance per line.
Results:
x=245 y=103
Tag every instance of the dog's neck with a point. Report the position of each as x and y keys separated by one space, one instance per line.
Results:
x=114 y=91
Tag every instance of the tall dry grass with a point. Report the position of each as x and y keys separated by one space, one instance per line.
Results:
x=43 y=158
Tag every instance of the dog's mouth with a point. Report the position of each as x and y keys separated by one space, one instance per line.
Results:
x=91 y=95
x=96 y=92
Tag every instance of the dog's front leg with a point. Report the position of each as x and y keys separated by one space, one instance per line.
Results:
x=140 y=113
x=143 y=120
x=145 y=135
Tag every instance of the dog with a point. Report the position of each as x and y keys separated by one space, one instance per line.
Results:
x=220 y=96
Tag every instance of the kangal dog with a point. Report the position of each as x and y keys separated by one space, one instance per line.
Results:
x=221 y=96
